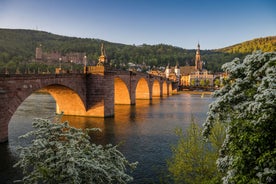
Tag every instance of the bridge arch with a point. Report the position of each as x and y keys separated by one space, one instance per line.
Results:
x=121 y=92
x=142 y=89
x=156 y=89
x=170 y=89
x=61 y=93
x=67 y=100
x=165 y=88
x=15 y=89
x=62 y=96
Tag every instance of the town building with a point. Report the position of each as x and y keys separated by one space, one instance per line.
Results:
x=198 y=78
x=188 y=76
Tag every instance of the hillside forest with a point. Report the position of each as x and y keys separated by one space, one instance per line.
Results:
x=17 y=52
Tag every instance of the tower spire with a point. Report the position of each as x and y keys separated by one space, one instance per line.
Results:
x=102 y=50
x=198 y=62
x=198 y=48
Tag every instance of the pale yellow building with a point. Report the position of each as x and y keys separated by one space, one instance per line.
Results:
x=198 y=78
x=191 y=75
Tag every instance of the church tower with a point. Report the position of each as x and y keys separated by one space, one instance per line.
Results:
x=168 y=71
x=198 y=62
x=177 y=70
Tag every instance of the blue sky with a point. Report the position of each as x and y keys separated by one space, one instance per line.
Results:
x=212 y=23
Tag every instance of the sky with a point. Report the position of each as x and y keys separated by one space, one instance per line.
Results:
x=181 y=23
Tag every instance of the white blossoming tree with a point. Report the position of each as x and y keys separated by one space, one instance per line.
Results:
x=247 y=105
x=63 y=154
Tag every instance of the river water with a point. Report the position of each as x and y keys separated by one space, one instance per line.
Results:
x=146 y=130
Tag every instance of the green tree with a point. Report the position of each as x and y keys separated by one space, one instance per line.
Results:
x=63 y=154
x=217 y=82
x=247 y=105
x=202 y=82
x=207 y=82
x=193 y=82
x=194 y=160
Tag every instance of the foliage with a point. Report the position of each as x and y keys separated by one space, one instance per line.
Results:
x=266 y=44
x=63 y=154
x=18 y=47
x=217 y=82
x=193 y=82
x=194 y=160
x=246 y=104
x=202 y=82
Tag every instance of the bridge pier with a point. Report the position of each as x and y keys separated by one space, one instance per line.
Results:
x=100 y=91
x=4 y=129
x=5 y=114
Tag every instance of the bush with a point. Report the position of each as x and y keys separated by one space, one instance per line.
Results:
x=194 y=160
x=63 y=154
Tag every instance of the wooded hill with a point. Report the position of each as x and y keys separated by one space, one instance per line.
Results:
x=17 y=49
x=266 y=44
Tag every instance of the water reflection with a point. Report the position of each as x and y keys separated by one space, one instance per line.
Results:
x=145 y=130
x=127 y=121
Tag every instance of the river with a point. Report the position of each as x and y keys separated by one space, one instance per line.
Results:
x=146 y=130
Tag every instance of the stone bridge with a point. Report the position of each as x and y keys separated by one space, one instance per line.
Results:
x=91 y=94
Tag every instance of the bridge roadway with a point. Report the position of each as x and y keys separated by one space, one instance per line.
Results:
x=91 y=94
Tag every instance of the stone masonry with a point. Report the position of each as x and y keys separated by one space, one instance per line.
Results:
x=91 y=94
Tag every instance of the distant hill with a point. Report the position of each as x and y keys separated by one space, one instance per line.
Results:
x=17 y=49
x=266 y=44
x=23 y=43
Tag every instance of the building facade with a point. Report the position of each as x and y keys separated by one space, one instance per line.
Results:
x=198 y=78
x=191 y=75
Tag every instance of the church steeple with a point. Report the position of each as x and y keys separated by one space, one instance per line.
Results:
x=198 y=48
x=168 y=71
x=198 y=62
x=177 y=70
x=102 y=50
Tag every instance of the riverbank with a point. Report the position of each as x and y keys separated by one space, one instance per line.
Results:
x=196 y=92
x=43 y=91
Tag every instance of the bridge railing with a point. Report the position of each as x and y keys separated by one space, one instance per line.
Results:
x=64 y=75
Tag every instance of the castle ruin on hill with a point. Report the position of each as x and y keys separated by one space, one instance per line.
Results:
x=54 y=56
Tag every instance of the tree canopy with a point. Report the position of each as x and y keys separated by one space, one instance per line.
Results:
x=247 y=105
x=266 y=44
